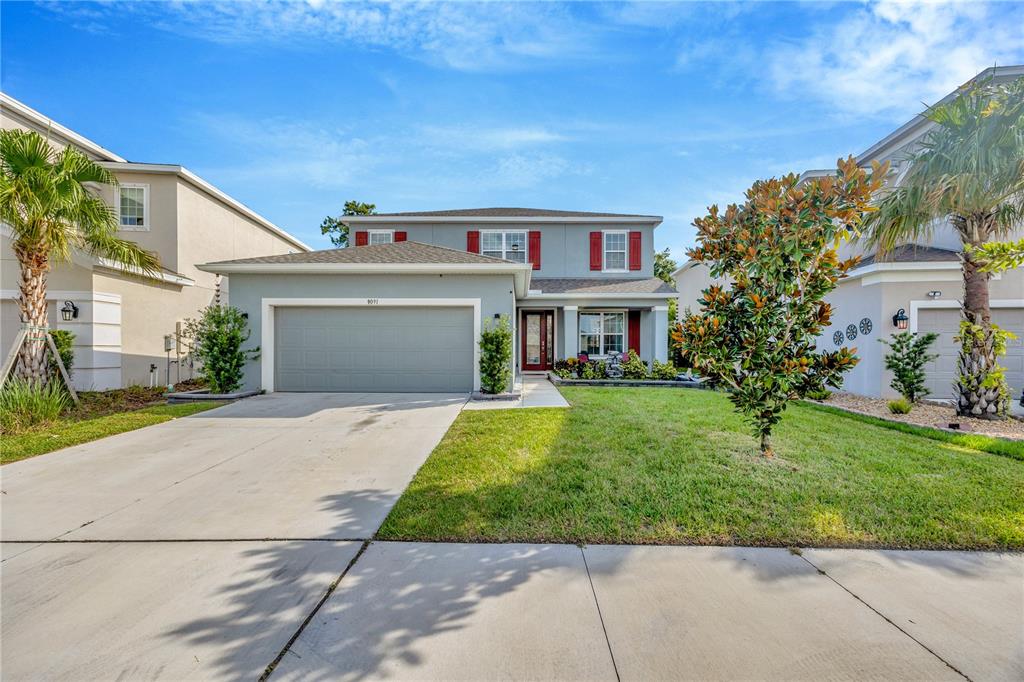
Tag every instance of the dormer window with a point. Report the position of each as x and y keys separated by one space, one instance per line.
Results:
x=508 y=245
x=133 y=206
x=381 y=236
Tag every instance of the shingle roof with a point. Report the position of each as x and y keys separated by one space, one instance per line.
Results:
x=398 y=252
x=912 y=253
x=506 y=212
x=567 y=285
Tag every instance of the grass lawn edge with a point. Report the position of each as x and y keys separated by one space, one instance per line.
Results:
x=43 y=441
x=1004 y=447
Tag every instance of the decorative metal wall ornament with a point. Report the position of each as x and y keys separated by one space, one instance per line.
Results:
x=838 y=338
x=851 y=332
x=866 y=326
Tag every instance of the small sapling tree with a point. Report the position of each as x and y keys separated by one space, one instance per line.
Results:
x=217 y=338
x=778 y=250
x=496 y=356
x=907 y=356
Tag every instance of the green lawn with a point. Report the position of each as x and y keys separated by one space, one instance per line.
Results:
x=67 y=432
x=635 y=465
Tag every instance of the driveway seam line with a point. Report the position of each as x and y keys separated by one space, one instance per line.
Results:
x=323 y=600
x=887 y=619
x=600 y=616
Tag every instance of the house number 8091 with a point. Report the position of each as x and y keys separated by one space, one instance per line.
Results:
x=372 y=301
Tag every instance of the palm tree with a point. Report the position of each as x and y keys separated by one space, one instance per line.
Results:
x=968 y=169
x=50 y=204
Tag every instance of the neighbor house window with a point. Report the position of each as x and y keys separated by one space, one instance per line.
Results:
x=507 y=245
x=381 y=237
x=602 y=333
x=615 y=251
x=133 y=206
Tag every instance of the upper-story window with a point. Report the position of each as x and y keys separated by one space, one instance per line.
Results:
x=133 y=206
x=615 y=250
x=507 y=245
x=380 y=237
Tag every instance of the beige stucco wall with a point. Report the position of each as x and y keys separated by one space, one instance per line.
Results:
x=209 y=230
x=162 y=233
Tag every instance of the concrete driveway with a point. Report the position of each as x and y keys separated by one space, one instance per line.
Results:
x=197 y=547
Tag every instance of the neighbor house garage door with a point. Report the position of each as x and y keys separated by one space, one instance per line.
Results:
x=373 y=349
x=946 y=322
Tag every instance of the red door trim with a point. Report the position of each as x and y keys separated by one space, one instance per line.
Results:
x=546 y=317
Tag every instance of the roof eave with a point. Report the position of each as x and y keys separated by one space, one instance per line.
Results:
x=582 y=220
x=192 y=178
x=520 y=273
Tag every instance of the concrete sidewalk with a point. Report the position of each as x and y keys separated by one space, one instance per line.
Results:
x=536 y=391
x=457 y=611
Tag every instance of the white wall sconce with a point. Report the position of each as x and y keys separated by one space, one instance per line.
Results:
x=934 y=294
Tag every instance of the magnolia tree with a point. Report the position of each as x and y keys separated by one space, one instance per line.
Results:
x=757 y=337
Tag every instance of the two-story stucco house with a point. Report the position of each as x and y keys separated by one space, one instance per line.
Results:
x=402 y=308
x=921 y=281
x=120 y=321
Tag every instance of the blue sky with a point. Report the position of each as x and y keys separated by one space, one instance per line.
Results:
x=661 y=108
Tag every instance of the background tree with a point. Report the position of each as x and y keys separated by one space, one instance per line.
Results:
x=48 y=200
x=335 y=227
x=968 y=170
x=778 y=250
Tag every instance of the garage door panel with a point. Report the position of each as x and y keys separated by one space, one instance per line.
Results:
x=374 y=349
x=941 y=372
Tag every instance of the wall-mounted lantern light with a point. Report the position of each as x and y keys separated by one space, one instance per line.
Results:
x=69 y=311
x=900 y=319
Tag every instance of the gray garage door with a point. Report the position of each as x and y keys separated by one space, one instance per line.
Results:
x=942 y=371
x=373 y=349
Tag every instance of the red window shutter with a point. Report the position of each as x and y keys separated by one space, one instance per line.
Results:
x=636 y=250
x=401 y=236
x=535 y=249
x=362 y=238
x=634 y=330
x=595 y=250
x=473 y=241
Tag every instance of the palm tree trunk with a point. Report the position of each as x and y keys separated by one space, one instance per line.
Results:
x=977 y=396
x=32 y=302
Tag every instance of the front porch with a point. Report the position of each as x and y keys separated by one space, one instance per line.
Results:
x=548 y=333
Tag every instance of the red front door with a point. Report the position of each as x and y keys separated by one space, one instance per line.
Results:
x=538 y=340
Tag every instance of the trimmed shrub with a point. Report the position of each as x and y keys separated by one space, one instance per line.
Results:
x=217 y=338
x=634 y=367
x=28 y=404
x=900 y=406
x=906 y=359
x=496 y=356
x=65 y=342
x=593 y=369
x=823 y=394
x=663 y=371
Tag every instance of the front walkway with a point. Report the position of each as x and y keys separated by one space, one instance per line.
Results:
x=536 y=391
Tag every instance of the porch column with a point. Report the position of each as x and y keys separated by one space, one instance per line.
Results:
x=660 y=339
x=572 y=331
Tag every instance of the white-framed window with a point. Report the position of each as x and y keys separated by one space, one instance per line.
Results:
x=508 y=245
x=616 y=250
x=602 y=333
x=133 y=206
x=380 y=237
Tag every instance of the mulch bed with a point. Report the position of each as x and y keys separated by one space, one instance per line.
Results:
x=929 y=414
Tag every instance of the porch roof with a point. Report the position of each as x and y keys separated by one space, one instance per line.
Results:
x=562 y=286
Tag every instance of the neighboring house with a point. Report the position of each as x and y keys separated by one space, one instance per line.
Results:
x=402 y=309
x=121 y=319
x=922 y=280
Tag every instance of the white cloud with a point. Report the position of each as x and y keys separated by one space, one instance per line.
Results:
x=461 y=35
x=488 y=139
x=885 y=59
x=518 y=171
